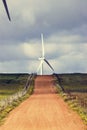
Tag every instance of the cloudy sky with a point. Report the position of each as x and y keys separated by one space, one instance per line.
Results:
x=64 y=25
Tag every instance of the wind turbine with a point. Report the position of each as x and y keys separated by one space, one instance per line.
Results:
x=6 y=8
x=43 y=59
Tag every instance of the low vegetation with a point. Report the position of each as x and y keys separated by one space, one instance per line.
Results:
x=11 y=84
x=73 y=88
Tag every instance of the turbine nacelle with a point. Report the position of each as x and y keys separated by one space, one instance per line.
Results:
x=41 y=58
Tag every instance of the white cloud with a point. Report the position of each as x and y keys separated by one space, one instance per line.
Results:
x=31 y=50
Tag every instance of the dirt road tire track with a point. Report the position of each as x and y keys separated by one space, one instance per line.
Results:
x=44 y=110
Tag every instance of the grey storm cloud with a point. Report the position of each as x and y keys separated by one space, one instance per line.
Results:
x=30 y=18
x=64 y=25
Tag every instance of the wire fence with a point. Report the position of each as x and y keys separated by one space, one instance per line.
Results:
x=8 y=101
x=70 y=96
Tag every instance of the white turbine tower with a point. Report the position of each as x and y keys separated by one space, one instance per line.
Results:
x=42 y=59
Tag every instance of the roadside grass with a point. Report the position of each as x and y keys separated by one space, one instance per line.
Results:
x=4 y=113
x=74 y=105
x=9 y=85
x=74 y=85
x=6 y=93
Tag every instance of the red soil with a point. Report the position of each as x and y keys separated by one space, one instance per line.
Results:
x=44 y=110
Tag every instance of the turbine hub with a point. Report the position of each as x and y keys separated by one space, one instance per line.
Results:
x=41 y=58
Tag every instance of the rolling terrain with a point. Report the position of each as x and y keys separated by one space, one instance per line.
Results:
x=44 y=110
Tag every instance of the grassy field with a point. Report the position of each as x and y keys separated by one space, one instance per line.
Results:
x=74 y=82
x=75 y=87
x=11 y=83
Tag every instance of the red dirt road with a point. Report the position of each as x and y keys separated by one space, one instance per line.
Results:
x=44 y=110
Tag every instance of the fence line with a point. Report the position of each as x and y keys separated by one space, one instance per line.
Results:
x=81 y=102
x=8 y=101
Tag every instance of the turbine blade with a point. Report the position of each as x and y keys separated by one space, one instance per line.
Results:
x=49 y=64
x=39 y=66
x=42 y=45
x=6 y=8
